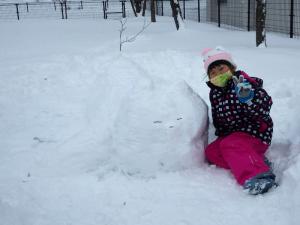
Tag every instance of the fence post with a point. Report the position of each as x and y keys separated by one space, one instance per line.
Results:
x=248 y=25
x=199 y=11
x=292 y=20
x=27 y=7
x=62 y=10
x=219 y=13
x=104 y=9
x=66 y=14
x=17 y=8
x=183 y=9
x=54 y=6
x=81 y=4
x=123 y=9
x=162 y=7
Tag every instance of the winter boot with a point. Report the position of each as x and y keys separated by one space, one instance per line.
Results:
x=260 y=184
x=269 y=163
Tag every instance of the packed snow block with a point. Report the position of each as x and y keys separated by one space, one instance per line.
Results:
x=12 y=213
x=159 y=126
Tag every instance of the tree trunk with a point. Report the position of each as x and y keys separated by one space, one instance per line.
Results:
x=176 y=12
x=133 y=8
x=153 y=9
x=144 y=7
x=260 y=22
x=138 y=5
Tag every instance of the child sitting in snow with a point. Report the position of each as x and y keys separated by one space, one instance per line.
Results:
x=240 y=112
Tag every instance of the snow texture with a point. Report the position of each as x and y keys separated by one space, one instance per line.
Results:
x=93 y=136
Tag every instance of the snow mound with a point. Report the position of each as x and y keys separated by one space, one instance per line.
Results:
x=149 y=121
x=141 y=114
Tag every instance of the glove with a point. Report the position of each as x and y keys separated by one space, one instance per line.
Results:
x=243 y=89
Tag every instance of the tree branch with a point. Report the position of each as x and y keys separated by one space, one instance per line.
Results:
x=132 y=38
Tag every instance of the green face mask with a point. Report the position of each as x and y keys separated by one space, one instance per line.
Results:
x=222 y=79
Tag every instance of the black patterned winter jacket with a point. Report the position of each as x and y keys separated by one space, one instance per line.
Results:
x=230 y=115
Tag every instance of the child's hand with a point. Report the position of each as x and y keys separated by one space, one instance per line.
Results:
x=243 y=89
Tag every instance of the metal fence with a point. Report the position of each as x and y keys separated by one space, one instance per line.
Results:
x=282 y=16
x=67 y=10
x=191 y=9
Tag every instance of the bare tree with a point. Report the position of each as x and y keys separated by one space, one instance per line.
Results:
x=144 y=7
x=123 y=22
x=153 y=9
x=133 y=8
x=175 y=6
x=176 y=12
x=138 y=5
x=260 y=22
x=63 y=8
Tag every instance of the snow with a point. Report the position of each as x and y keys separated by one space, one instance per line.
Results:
x=90 y=135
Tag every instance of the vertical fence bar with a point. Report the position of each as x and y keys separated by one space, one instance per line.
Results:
x=292 y=20
x=248 y=24
x=123 y=9
x=199 y=11
x=183 y=9
x=162 y=7
x=62 y=10
x=27 y=7
x=17 y=8
x=54 y=6
x=81 y=4
x=219 y=13
x=66 y=14
x=104 y=9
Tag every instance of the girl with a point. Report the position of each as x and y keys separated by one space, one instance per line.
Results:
x=240 y=112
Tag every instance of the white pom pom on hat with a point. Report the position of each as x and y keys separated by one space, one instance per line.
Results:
x=211 y=55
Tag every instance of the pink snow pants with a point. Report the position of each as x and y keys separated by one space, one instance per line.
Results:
x=239 y=152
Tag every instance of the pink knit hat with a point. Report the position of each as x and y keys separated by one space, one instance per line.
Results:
x=212 y=55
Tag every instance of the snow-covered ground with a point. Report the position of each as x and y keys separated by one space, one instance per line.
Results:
x=93 y=136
